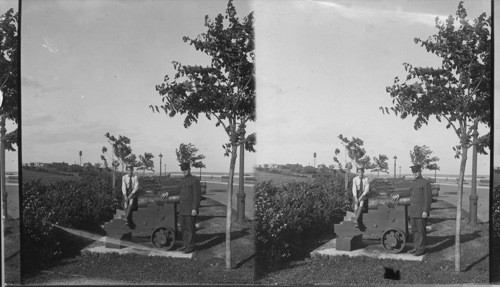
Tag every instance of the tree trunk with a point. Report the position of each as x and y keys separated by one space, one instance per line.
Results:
x=232 y=165
x=459 y=208
x=346 y=179
x=113 y=167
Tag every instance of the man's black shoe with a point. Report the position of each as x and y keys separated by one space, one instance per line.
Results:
x=412 y=250
x=188 y=250
x=419 y=252
x=131 y=225
x=182 y=248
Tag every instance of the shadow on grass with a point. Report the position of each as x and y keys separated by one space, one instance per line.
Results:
x=264 y=268
x=70 y=245
x=477 y=262
x=443 y=242
x=242 y=262
x=210 y=240
x=434 y=220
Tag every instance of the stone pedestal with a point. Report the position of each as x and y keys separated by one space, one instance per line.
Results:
x=349 y=243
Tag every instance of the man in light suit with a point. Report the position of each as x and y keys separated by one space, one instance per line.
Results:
x=360 y=188
x=420 y=204
x=130 y=185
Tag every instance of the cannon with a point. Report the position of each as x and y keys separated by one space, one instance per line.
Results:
x=155 y=218
x=384 y=219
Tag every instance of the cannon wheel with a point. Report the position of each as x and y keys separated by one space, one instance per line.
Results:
x=163 y=237
x=394 y=240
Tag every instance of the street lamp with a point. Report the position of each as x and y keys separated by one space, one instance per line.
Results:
x=160 y=162
x=473 y=194
x=395 y=158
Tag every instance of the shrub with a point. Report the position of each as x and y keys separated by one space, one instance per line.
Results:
x=291 y=216
x=84 y=204
x=495 y=207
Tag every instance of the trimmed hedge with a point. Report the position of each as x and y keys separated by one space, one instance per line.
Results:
x=291 y=216
x=83 y=204
x=495 y=209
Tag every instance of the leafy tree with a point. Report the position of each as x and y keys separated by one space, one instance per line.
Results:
x=131 y=160
x=9 y=90
x=121 y=149
x=146 y=162
x=380 y=164
x=9 y=75
x=457 y=92
x=187 y=153
x=356 y=153
x=422 y=155
x=224 y=90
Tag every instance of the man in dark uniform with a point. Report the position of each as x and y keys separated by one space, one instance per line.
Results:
x=420 y=204
x=190 y=196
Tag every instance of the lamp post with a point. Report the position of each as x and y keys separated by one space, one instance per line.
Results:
x=3 y=131
x=473 y=195
x=399 y=171
x=240 y=204
x=160 y=162
x=395 y=158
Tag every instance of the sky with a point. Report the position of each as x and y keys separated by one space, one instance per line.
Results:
x=323 y=68
x=91 y=67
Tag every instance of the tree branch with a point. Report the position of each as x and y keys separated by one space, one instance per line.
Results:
x=452 y=125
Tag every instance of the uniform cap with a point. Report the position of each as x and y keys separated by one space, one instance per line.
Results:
x=416 y=168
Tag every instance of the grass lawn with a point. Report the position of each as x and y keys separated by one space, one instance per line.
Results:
x=45 y=177
x=279 y=179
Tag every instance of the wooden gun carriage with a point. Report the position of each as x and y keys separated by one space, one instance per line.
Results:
x=155 y=217
x=384 y=218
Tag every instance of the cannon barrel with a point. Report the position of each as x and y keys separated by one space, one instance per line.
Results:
x=154 y=197
x=144 y=201
x=375 y=202
x=434 y=189
x=163 y=189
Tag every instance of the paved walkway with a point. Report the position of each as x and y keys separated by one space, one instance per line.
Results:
x=449 y=193
x=218 y=192
x=12 y=200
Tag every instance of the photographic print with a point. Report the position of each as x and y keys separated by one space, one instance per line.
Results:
x=138 y=156
x=373 y=164
x=138 y=130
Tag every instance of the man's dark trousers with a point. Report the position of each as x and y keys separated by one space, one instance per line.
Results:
x=188 y=230
x=419 y=233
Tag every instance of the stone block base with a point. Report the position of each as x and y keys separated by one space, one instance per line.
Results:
x=349 y=243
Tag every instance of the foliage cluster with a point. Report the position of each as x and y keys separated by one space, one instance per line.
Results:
x=9 y=75
x=495 y=208
x=83 y=204
x=302 y=171
x=187 y=153
x=289 y=217
x=64 y=168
